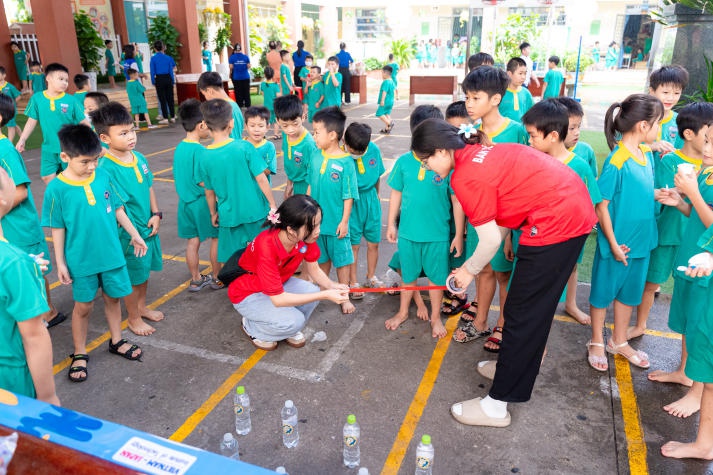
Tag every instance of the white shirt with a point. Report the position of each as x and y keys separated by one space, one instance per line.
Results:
x=528 y=62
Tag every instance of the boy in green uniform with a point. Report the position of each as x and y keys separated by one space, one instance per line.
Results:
x=37 y=77
x=135 y=90
x=81 y=82
x=582 y=149
x=256 y=127
x=517 y=99
x=552 y=83
x=52 y=108
x=270 y=90
x=110 y=62
x=211 y=86
x=20 y=225
x=315 y=92
x=333 y=183
x=332 y=84
x=298 y=146
x=25 y=345
x=237 y=191
x=286 y=84
x=130 y=173
x=10 y=91
x=394 y=74
x=20 y=58
x=386 y=100
x=547 y=123
x=193 y=215
x=82 y=207
x=365 y=218
x=304 y=72
x=667 y=84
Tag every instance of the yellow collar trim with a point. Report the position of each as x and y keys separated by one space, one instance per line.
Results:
x=499 y=131
x=52 y=99
x=695 y=161
x=220 y=144
x=569 y=158
x=134 y=163
x=86 y=184
x=263 y=142
x=633 y=155
x=297 y=142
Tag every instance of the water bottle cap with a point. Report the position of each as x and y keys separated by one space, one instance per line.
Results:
x=289 y=404
x=351 y=419
x=227 y=437
x=426 y=439
x=240 y=390
x=280 y=469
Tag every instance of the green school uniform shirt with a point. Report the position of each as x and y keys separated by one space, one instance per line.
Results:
x=510 y=132
x=229 y=169
x=79 y=96
x=52 y=113
x=314 y=93
x=38 y=82
x=20 y=59
x=21 y=226
x=554 y=80
x=387 y=86
x=694 y=228
x=11 y=91
x=586 y=152
x=285 y=80
x=332 y=93
x=22 y=297
x=137 y=100
x=304 y=72
x=270 y=90
x=187 y=171
x=332 y=179
x=668 y=132
x=266 y=152
x=298 y=155
x=369 y=168
x=134 y=180
x=110 y=62
x=238 y=120
x=628 y=184
x=86 y=209
x=421 y=190
x=582 y=169
x=669 y=220
x=394 y=73
x=515 y=103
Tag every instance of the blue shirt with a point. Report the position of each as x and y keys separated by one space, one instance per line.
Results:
x=161 y=64
x=240 y=63
x=344 y=59
x=300 y=60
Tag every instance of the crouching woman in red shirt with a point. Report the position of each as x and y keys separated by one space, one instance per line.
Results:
x=275 y=306
x=501 y=187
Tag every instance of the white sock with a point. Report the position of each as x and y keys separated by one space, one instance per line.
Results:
x=494 y=408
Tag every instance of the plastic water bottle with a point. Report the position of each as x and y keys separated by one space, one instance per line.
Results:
x=229 y=447
x=290 y=435
x=241 y=407
x=281 y=469
x=424 y=456
x=351 y=435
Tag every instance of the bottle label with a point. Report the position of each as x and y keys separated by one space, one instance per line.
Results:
x=423 y=462
x=350 y=441
x=238 y=409
x=288 y=429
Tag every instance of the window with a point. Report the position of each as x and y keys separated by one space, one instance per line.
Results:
x=371 y=23
x=595 y=27
x=558 y=15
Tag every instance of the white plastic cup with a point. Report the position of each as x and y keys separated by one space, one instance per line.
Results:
x=686 y=168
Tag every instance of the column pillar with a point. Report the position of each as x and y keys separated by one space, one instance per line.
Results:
x=184 y=18
x=119 y=16
x=237 y=9
x=6 y=56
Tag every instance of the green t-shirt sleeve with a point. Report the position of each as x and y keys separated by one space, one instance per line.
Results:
x=32 y=109
x=396 y=180
x=52 y=209
x=205 y=171
x=22 y=280
x=350 y=187
x=255 y=163
x=13 y=166
x=272 y=159
x=522 y=136
x=705 y=242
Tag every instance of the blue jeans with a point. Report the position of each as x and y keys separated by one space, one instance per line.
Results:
x=264 y=321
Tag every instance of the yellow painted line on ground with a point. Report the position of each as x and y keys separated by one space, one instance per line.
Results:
x=48 y=238
x=163 y=171
x=415 y=410
x=167 y=180
x=160 y=152
x=280 y=188
x=635 y=443
x=207 y=407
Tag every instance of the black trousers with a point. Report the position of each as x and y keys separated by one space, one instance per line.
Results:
x=164 y=91
x=296 y=76
x=241 y=87
x=539 y=277
x=346 y=84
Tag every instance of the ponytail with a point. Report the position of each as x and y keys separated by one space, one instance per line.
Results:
x=609 y=129
x=632 y=110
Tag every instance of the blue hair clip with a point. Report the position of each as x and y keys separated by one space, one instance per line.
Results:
x=467 y=130
x=303 y=249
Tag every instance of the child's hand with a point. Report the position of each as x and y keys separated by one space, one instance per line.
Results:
x=20 y=146
x=457 y=245
x=338 y=286
x=462 y=278
x=392 y=234
x=338 y=296
x=700 y=265
x=63 y=274
x=620 y=253
x=668 y=196
x=686 y=183
x=507 y=248
x=154 y=223
x=214 y=219
x=342 y=229
x=40 y=261
x=662 y=147
x=288 y=190
x=140 y=247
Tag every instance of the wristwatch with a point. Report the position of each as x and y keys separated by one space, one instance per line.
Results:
x=158 y=213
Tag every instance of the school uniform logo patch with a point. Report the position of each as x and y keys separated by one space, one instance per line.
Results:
x=672 y=134
x=145 y=169
x=298 y=158
x=64 y=107
x=437 y=180
x=372 y=162
x=335 y=176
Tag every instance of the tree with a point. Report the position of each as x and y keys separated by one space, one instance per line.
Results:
x=90 y=41
x=403 y=51
x=265 y=29
x=511 y=33
x=161 y=29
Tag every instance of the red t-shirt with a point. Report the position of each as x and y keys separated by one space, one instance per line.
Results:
x=269 y=265
x=521 y=188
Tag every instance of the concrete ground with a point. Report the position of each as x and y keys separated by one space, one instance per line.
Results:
x=400 y=384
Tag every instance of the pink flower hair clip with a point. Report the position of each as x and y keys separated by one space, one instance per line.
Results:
x=273 y=216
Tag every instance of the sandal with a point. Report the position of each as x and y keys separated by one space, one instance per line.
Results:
x=638 y=358
x=196 y=285
x=395 y=285
x=73 y=370
x=455 y=305
x=356 y=295
x=466 y=331
x=597 y=360
x=59 y=318
x=128 y=354
x=494 y=340
x=385 y=131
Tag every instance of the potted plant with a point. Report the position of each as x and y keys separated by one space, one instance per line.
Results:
x=91 y=45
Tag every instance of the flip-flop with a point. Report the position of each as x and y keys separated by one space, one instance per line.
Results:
x=487 y=369
x=471 y=413
x=59 y=318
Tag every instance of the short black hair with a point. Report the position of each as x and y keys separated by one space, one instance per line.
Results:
x=284 y=53
x=257 y=111
x=391 y=56
x=133 y=72
x=33 y=63
x=672 y=74
x=319 y=70
x=488 y=79
x=16 y=44
x=2 y=70
x=388 y=69
x=217 y=114
x=210 y=80
x=54 y=67
x=423 y=112
x=79 y=140
x=480 y=59
x=109 y=115
x=190 y=115
x=514 y=64
x=574 y=108
x=332 y=118
x=106 y=42
x=268 y=72
x=548 y=116
x=333 y=59
x=456 y=109
x=99 y=97
x=129 y=51
x=309 y=56
x=693 y=117
x=287 y=107
x=554 y=59
x=158 y=45
x=81 y=80
x=7 y=109
x=524 y=45
x=357 y=137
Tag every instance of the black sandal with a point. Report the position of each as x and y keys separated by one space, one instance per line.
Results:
x=78 y=369
x=456 y=305
x=128 y=354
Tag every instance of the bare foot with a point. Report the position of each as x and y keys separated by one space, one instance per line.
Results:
x=634 y=332
x=677 y=377
x=140 y=327
x=679 y=450
x=421 y=310
x=437 y=328
x=395 y=322
x=578 y=315
x=348 y=307
x=684 y=407
x=153 y=315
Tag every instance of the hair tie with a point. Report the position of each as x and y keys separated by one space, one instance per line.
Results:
x=467 y=130
x=273 y=216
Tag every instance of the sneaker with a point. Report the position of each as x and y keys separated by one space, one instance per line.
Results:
x=261 y=344
x=172 y=120
x=297 y=340
x=373 y=283
x=163 y=121
x=152 y=126
x=216 y=284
